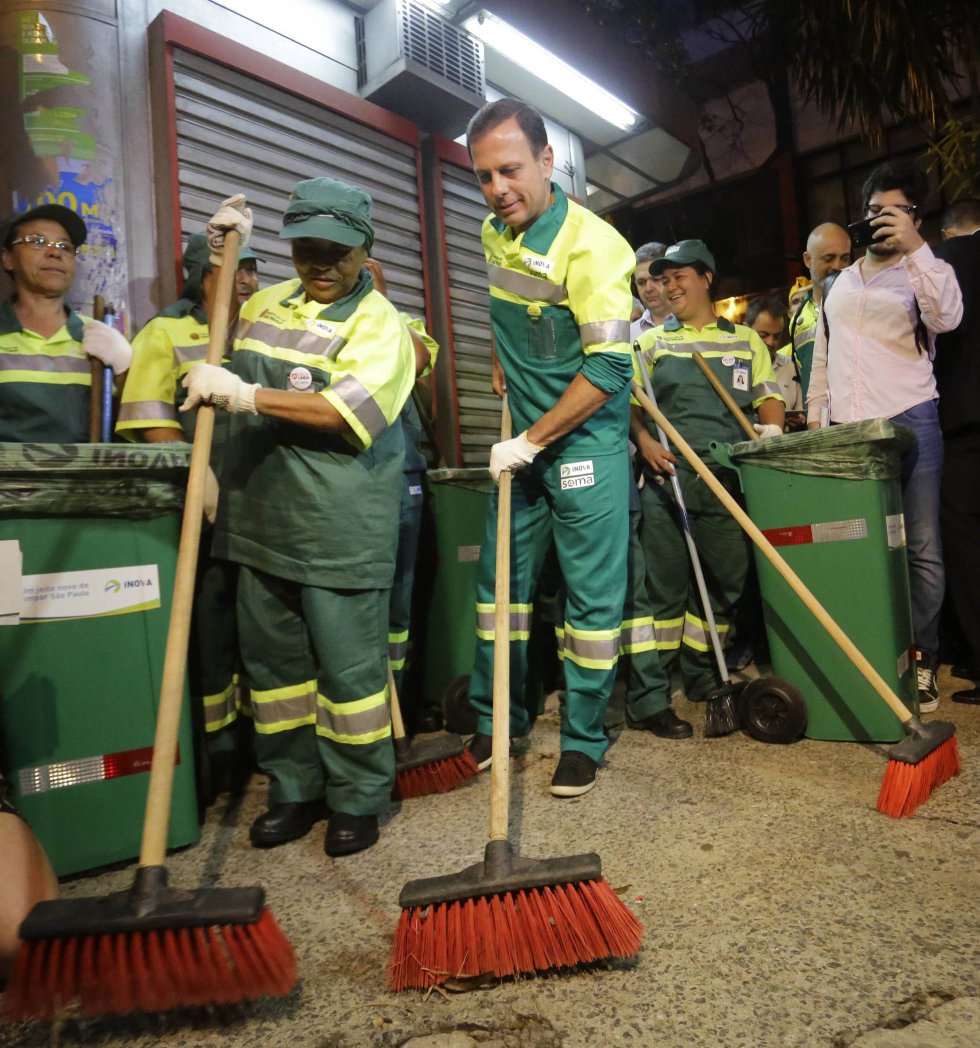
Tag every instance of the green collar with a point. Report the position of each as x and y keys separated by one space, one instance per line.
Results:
x=540 y=235
x=343 y=309
x=722 y=323
x=10 y=324
x=185 y=307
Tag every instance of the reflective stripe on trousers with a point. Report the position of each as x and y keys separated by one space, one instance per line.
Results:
x=354 y=723
x=637 y=635
x=697 y=635
x=592 y=649
x=520 y=621
x=220 y=709
x=398 y=649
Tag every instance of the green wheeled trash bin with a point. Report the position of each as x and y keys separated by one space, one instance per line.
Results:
x=459 y=506
x=96 y=529
x=830 y=501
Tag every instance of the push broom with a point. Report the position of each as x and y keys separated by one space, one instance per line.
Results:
x=153 y=948
x=430 y=765
x=508 y=915
x=927 y=757
x=720 y=712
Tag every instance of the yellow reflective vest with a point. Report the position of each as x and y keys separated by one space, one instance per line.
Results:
x=300 y=503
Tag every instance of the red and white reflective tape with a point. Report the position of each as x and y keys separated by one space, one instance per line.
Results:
x=831 y=531
x=83 y=770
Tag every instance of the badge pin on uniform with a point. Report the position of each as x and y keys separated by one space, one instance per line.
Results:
x=300 y=379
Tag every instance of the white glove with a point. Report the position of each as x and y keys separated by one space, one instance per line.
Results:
x=512 y=454
x=233 y=214
x=207 y=384
x=108 y=345
x=767 y=429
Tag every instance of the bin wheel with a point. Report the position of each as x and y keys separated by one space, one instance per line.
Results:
x=772 y=710
x=459 y=715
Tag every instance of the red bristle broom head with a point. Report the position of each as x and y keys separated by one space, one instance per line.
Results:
x=149 y=971
x=512 y=934
x=906 y=786
x=438 y=777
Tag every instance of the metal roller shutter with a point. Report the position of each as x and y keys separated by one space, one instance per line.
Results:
x=237 y=134
x=464 y=210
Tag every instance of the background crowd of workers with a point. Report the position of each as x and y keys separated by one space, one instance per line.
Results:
x=316 y=486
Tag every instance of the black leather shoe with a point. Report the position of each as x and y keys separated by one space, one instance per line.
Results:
x=665 y=725
x=286 y=822
x=969 y=696
x=347 y=834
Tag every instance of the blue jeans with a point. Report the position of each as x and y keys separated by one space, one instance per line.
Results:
x=922 y=468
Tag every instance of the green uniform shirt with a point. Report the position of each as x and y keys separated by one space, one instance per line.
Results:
x=735 y=353
x=560 y=304
x=163 y=353
x=296 y=502
x=803 y=332
x=45 y=383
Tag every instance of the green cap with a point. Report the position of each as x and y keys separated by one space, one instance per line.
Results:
x=683 y=253
x=329 y=210
x=72 y=223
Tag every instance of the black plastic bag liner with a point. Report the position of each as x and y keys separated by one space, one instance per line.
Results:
x=135 y=481
x=869 y=450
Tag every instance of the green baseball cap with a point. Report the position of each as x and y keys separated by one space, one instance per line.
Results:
x=72 y=223
x=328 y=209
x=683 y=253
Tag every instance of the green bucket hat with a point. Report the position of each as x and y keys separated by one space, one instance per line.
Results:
x=329 y=210
x=197 y=262
x=683 y=253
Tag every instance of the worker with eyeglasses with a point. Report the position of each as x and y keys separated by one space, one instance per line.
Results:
x=46 y=348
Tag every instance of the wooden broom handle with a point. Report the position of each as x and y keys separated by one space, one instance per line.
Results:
x=839 y=637
x=153 y=849
x=728 y=399
x=95 y=400
x=500 y=748
x=397 y=724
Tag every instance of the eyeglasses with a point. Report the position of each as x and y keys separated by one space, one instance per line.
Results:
x=874 y=210
x=39 y=243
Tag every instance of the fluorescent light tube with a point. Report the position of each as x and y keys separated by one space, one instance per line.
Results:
x=528 y=54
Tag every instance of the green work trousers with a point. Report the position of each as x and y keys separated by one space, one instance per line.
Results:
x=316 y=661
x=647 y=683
x=400 y=605
x=582 y=503
x=213 y=660
x=679 y=623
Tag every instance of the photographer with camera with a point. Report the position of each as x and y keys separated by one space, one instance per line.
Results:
x=873 y=358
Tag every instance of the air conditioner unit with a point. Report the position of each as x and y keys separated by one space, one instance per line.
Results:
x=421 y=66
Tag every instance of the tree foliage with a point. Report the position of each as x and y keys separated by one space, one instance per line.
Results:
x=864 y=63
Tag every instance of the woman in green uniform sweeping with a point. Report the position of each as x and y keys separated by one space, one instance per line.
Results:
x=741 y=361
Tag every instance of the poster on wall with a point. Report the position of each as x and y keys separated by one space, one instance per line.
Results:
x=65 y=142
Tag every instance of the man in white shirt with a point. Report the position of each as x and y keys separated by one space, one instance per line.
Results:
x=882 y=315
x=649 y=290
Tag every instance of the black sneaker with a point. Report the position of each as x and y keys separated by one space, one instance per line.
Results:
x=481 y=749
x=926 y=666
x=576 y=774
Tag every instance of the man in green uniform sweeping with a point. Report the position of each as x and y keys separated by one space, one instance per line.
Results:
x=320 y=368
x=560 y=303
